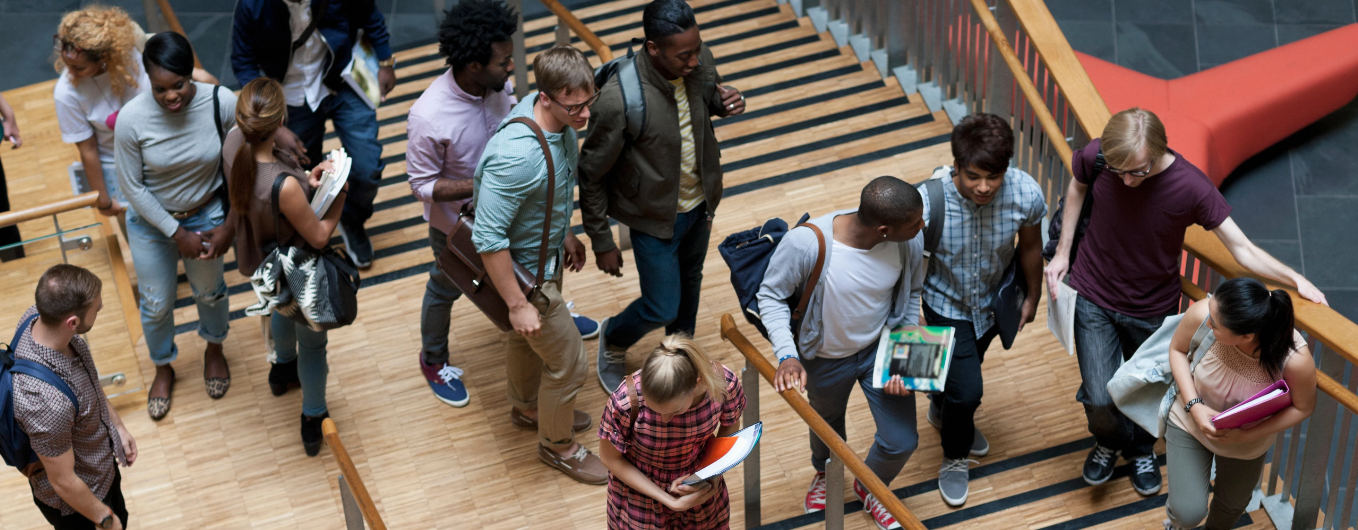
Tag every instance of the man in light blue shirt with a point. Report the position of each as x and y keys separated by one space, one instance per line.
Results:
x=545 y=362
x=986 y=204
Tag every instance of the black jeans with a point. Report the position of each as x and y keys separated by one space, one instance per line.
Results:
x=1104 y=339
x=75 y=521
x=962 y=393
x=9 y=234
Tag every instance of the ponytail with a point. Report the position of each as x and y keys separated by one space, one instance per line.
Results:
x=675 y=368
x=260 y=109
x=1246 y=306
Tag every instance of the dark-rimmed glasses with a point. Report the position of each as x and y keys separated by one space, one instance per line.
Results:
x=1136 y=173
x=575 y=110
x=61 y=46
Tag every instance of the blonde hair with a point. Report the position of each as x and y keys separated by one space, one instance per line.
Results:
x=260 y=110
x=1130 y=133
x=104 y=34
x=675 y=368
x=562 y=69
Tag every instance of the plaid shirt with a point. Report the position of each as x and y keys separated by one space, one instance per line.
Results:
x=976 y=245
x=55 y=427
x=664 y=451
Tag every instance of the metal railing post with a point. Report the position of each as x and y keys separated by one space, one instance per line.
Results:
x=520 y=54
x=353 y=517
x=1315 y=465
x=834 y=493
x=563 y=33
x=750 y=381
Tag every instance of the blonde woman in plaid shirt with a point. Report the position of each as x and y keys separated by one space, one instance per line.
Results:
x=681 y=399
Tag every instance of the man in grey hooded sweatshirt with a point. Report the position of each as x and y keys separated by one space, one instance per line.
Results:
x=872 y=277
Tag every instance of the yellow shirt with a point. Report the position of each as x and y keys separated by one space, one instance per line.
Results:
x=690 y=187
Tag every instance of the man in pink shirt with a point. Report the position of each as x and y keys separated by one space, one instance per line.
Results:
x=448 y=129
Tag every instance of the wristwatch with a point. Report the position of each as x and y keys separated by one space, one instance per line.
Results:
x=107 y=522
x=389 y=61
x=1188 y=407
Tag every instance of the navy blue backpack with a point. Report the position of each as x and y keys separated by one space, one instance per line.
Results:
x=14 y=444
x=747 y=254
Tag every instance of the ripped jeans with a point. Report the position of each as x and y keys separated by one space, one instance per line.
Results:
x=156 y=259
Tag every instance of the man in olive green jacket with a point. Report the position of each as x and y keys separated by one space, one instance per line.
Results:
x=664 y=184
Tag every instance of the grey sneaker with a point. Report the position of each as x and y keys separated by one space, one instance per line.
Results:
x=611 y=365
x=980 y=446
x=953 y=479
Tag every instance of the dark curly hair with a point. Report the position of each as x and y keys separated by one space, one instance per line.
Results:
x=470 y=27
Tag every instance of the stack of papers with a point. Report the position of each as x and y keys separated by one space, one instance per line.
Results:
x=1061 y=316
x=332 y=182
x=722 y=454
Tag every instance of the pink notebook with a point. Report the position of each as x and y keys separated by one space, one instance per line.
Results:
x=1255 y=409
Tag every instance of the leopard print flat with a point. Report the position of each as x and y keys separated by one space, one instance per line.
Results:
x=217 y=386
x=158 y=407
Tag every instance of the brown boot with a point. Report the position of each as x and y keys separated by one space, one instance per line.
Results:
x=581 y=465
x=579 y=422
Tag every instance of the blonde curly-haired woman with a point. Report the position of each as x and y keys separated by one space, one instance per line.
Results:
x=98 y=57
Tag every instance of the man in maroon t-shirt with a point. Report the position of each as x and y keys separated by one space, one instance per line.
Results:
x=1126 y=269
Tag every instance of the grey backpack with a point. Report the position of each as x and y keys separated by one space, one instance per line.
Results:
x=629 y=78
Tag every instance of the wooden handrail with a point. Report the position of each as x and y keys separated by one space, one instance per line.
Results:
x=351 y=477
x=893 y=504
x=605 y=54
x=51 y=208
x=173 y=21
x=1045 y=34
x=1040 y=110
x=1324 y=382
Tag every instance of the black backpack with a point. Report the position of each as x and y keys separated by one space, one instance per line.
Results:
x=14 y=443
x=747 y=254
x=629 y=79
x=1086 y=208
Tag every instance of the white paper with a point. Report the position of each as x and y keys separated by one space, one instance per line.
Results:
x=1061 y=316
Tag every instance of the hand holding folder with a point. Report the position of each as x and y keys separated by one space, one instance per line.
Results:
x=1249 y=412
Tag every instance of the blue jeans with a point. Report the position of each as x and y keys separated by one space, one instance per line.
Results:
x=671 y=275
x=155 y=256
x=294 y=341
x=828 y=385
x=437 y=310
x=356 y=126
x=1104 y=339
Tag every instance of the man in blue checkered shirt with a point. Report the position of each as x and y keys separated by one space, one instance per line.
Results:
x=986 y=205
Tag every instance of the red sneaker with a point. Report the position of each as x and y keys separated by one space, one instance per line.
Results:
x=874 y=509
x=815 y=495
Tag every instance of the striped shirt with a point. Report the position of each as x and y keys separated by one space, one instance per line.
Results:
x=976 y=245
x=690 y=186
x=55 y=427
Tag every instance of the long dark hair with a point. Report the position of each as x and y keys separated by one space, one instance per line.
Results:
x=1246 y=306
x=168 y=50
x=260 y=110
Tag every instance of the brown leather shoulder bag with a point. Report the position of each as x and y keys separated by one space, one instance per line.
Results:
x=462 y=263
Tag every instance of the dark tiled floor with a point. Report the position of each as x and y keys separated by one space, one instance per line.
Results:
x=1297 y=200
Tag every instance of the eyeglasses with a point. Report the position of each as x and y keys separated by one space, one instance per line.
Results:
x=1138 y=173
x=575 y=110
x=60 y=46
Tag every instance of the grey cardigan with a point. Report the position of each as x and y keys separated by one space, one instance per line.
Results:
x=791 y=265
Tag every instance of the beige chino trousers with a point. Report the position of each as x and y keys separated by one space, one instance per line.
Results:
x=546 y=372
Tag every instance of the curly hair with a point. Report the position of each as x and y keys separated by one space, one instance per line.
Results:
x=470 y=27
x=105 y=34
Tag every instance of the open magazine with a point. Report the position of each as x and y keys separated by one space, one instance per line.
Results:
x=332 y=182
x=724 y=453
x=921 y=355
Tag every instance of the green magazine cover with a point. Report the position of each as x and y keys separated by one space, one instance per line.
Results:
x=921 y=355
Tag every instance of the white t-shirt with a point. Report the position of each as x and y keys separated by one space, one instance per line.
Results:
x=302 y=84
x=857 y=297
x=83 y=107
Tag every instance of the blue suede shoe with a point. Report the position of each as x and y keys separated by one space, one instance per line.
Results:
x=589 y=328
x=446 y=382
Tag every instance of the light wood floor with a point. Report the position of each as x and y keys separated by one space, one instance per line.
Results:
x=238 y=463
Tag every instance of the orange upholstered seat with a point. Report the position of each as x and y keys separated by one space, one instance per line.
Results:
x=1218 y=118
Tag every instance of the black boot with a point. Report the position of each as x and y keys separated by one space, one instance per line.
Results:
x=282 y=376
x=311 y=433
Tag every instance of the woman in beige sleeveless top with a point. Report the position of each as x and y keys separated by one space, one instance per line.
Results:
x=1255 y=345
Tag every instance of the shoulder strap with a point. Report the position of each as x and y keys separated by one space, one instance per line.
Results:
x=551 y=195
x=46 y=375
x=934 y=232
x=318 y=8
x=217 y=114
x=633 y=100
x=814 y=278
x=1199 y=335
x=19 y=334
x=631 y=400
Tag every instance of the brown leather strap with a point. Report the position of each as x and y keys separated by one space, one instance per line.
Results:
x=551 y=196
x=814 y=279
x=631 y=400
